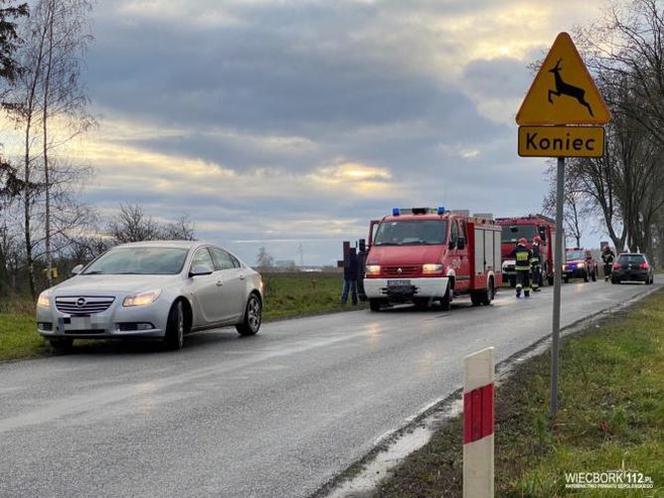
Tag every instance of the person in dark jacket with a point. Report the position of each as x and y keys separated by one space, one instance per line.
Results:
x=351 y=268
x=607 y=257
x=522 y=256
x=536 y=263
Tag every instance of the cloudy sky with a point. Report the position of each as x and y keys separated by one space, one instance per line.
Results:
x=275 y=122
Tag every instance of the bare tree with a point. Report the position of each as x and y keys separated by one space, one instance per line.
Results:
x=181 y=229
x=63 y=97
x=575 y=207
x=132 y=224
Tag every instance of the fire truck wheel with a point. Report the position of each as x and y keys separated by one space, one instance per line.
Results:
x=374 y=304
x=422 y=304
x=446 y=301
x=476 y=298
x=490 y=293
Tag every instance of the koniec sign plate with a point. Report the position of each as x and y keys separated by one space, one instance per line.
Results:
x=561 y=141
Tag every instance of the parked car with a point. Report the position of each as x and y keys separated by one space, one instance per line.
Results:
x=160 y=290
x=580 y=263
x=633 y=267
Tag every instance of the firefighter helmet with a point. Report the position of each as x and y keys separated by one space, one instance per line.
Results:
x=522 y=241
x=537 y=239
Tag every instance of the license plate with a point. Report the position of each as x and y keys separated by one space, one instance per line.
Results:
x=398 y=283
x=77 y=323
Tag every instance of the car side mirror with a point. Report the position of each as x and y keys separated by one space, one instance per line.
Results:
x=77 y=269
x=461 y=243
x=199 y=270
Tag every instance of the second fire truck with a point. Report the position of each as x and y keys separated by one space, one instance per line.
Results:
x=527 y=227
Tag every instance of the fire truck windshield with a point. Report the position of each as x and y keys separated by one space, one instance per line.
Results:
x=413 y=232
x=515 y=232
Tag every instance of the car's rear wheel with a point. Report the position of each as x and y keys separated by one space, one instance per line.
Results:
x=253 y=317
x=174 y=337
x=62 y=344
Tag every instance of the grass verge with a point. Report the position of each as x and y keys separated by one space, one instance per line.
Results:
x=612 y=417
x=287 y=295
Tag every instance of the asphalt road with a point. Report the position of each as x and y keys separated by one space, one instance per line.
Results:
x=275 y=415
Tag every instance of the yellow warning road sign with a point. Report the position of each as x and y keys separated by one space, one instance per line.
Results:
x=563 y=91
x=561 y=141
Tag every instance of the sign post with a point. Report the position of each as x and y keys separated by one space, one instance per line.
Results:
x=555 y=120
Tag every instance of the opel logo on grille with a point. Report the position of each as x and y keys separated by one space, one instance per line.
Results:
x=80 y=302
x=399 y=270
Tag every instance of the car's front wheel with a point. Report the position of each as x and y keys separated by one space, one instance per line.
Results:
x=253 y=316
x=174 y=337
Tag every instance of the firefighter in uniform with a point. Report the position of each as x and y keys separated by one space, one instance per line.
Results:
x=607 y=257
x=522 y=255
x=536 y=263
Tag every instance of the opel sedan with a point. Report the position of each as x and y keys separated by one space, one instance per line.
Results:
x=159 y=290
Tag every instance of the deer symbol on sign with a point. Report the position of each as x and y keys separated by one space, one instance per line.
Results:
x=563 y=88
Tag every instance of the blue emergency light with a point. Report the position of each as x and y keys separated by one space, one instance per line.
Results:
x=395 y=212
x=441 y=210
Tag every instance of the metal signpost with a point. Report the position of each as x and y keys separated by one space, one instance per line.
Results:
x=553 y=122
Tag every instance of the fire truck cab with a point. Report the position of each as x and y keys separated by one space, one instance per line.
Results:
x=422 y=255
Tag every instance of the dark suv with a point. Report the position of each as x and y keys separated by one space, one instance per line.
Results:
x=632 y=267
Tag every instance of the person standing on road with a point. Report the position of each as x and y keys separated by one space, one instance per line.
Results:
x=536 y=263
x=350 y=277
x=607 y=257
x=522 y=255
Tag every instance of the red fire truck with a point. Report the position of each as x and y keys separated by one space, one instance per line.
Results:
x=422 y=255
x=528 y=227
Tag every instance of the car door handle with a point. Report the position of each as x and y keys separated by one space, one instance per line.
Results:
x=219 y=283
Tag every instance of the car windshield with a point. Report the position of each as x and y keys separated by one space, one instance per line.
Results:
x=407 y=233
x=139 y=261
x=512 y=233
x=631 y=259
x=576 y=255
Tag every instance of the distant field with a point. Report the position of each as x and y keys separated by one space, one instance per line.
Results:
x=296 y=294
x=287 y=295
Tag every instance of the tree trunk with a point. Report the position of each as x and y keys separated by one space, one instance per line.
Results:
x=47 y=184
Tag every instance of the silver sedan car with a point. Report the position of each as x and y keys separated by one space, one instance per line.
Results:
x=161 y=290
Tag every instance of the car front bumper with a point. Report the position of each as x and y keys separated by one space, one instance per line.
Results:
x=383 y=288
x=116 y=322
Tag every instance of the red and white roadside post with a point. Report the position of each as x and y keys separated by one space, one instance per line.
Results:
x=478 y=422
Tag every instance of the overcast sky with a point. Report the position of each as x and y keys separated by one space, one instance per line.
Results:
x=279 y=122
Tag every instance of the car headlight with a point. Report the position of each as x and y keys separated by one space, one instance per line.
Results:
x=43 y=300
x=580 y=265
x=142 y=298
x=430 y=268
x=373 y=269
